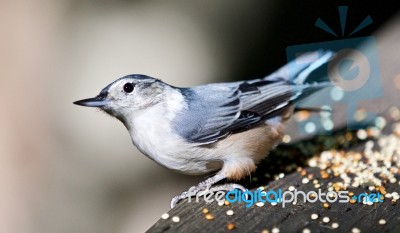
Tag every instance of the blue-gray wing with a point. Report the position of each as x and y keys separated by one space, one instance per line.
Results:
x=214 y=111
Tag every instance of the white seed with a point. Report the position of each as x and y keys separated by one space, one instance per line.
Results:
x=176 y=219
x=275 y=230
x=165 y=216
x=305 y=180
x=306 y=230
x=229 y=212
x=335 y=225
x=355 y=230
x=314 y=216
x=291 y=188
x=260 y=204
x=326 y=220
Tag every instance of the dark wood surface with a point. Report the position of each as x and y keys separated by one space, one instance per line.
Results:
x=292 y=218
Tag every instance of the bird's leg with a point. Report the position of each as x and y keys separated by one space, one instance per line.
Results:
x=206 y=186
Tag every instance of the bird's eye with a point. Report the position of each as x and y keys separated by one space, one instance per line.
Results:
x=128 y=87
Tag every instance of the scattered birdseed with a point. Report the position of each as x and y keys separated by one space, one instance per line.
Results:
x=326 y=220
x=265 y=231
x=326 y=205
x=286 y=139
x=260 y=204
x=227 y=203
x=362 y=134
x=314 y=216
x=355 y=230
x=291 y=188
x=229 y=212
x=306 y=230
x=176 y=219
x=305 y=180
x=335 y=225
x=165 y=216
x=394 y=113
x=209 y=216
x=221 y=203
x=382 y=221
x=205 y=211
x=275 y=230
x=230 y=226
x=281 y=175
x=317 y=186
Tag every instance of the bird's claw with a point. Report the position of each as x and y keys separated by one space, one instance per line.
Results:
x=195 y=190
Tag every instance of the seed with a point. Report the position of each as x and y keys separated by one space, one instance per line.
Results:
x=230 y=226
x=275 y=230
x=335 y=225
x=205 y=211
x=314 y=216
x=352 y=201
x=291 y=188
x=305 y=180
x=306 y=230
x=326 y=205
x=209 y=216
x=355 y=230
x=265 y=231
x=303 y=173
x=260 y=204
x=176 y=219
x=382 y=221
x=227 y=203
x=165 y=216
x=326 y=220
x=229 y=212
x=351 y=194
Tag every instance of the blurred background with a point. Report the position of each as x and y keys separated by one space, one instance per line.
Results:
x=66 y=168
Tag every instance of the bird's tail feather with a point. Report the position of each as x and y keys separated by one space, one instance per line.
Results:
x=307 y=68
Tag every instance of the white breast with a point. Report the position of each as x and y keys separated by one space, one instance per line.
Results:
x=152 y=134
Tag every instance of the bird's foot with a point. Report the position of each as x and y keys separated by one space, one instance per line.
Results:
x=205 y=187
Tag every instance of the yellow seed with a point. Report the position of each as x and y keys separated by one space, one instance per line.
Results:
x=209 y=216
x=326 y=205
x=205 y=211
x=227 y=202
x=303 y=172
x=230 y=226
x=351 y=194
x=352 y=201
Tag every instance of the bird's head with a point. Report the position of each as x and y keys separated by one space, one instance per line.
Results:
x=127 y=95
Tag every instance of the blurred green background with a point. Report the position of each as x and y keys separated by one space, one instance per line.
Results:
x=70 y=169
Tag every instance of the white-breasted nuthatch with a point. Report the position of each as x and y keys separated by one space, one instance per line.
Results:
x=224 y=127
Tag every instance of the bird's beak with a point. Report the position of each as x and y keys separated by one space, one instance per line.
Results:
x=98 y=101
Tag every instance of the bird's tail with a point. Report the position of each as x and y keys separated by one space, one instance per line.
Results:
x=307 y=68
